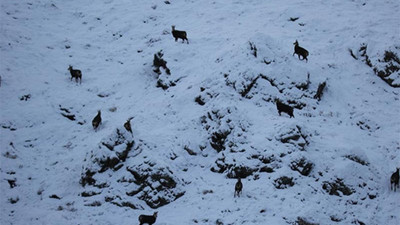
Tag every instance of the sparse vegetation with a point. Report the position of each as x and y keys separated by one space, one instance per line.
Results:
x=387 y=67
x=218 y=140
x=159 y=62
x=253 y=49
x=357 y=160
x=320 y=90
x=283 y=182
x=337 y=188
x=303 y=166
x=302 y=221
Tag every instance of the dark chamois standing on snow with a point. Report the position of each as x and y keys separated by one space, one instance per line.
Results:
x=179 y=34
x=148 y=219
x=284 y=108
x=321 y=87
x=238 y=188
x=96 y=120
x=300 y=51
x=127 y=125
x=158 y=62
x=394 y=180
x=77 y=74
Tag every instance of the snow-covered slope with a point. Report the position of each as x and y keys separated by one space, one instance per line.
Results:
x=211 y=120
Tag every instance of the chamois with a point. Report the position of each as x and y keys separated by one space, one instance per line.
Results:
x=179 y=34
x=238 y=188
x=394 y=180
x=284 y=108
x=77 y=74
x=148 y=219
x=96 y=120
x=300 y=51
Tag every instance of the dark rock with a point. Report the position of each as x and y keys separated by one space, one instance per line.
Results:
x=320 y=90
x=357 y=160
x=283 y=182
x=387 y=68
x=337 y=187
x=303 y=166
x=54 y=196
x=157 y=187
x=293 y=136
x=218 y=140
x=12 y=183
x=94 y=204
x=87 y=178
x=89 y=193
x=302 y=221
x=199 y=100
x=239 y=171
x=13 y=200
x=267 y=169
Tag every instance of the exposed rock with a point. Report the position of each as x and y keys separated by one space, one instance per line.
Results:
x=337 y=188
x=293 y=136
x=283 y=182
x=302 y=221
x=156 y=186
x=226 y=128
x=303 y=166
x=386 y=67
x=357 y=160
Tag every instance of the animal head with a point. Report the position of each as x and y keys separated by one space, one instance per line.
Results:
x=296 y=43
x=155 y=214
x=173 y=27
x=70 y=67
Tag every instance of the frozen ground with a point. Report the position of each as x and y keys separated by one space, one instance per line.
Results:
x=350 y=138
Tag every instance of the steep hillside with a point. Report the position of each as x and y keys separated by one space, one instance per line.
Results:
x=210 y=118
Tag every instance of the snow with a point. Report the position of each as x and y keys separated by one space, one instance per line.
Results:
x=351 y=134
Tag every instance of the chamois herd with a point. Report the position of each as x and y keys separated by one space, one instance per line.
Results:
x=159 y=62
x=281 y=107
